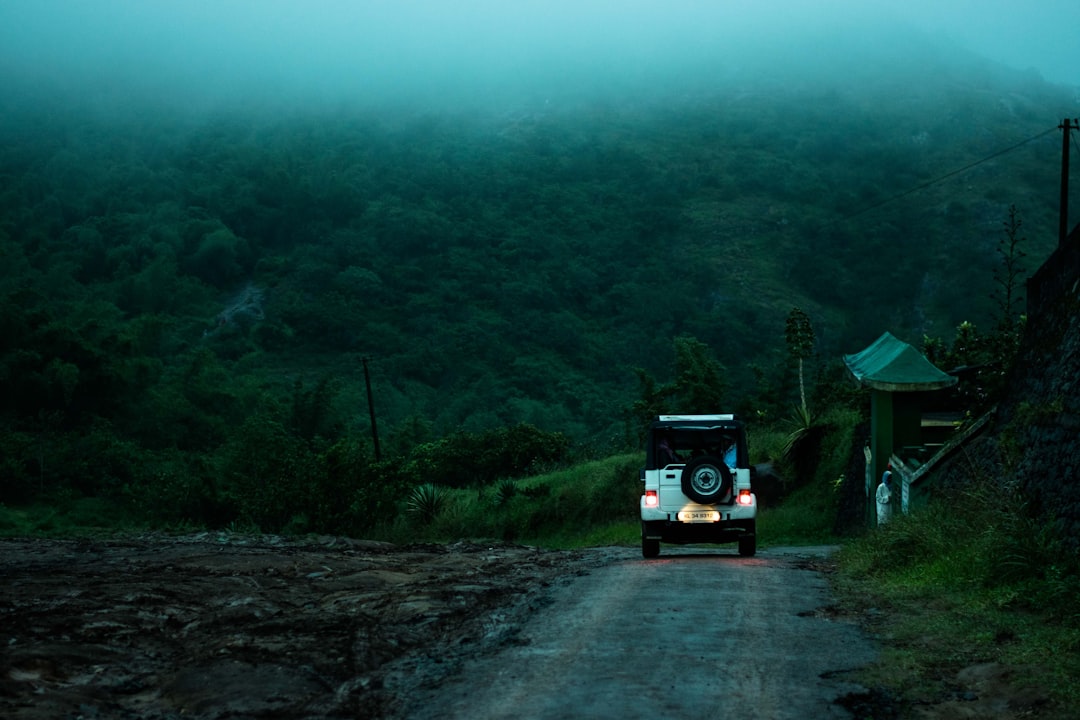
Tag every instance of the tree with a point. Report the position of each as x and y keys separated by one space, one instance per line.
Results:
x=799 y=334
x=652 y=401
x=1004 y=343
x=699 y=378
x=699 y=386
x=1007 y=295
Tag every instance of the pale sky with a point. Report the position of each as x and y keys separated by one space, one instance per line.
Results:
x=356 y=48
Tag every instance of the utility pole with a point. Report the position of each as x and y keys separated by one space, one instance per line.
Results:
x=371 y=411
x=1063 y=220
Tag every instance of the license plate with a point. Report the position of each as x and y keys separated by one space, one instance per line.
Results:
x=696 y=516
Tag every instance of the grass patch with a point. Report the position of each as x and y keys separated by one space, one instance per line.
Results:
x=806 y=517
x=808 y=513
x=963 y=583
x=595 y=503
x=588 y=505
x=67 y=517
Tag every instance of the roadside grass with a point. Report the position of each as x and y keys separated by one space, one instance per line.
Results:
x=591 y=504
x=66 y=517
x=806 y=517
x=594 y=503
x=962 y=583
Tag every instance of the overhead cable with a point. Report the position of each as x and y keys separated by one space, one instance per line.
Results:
x=941 y=178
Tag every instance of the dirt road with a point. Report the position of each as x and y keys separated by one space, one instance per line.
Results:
x=212 y=626
x=692 y=634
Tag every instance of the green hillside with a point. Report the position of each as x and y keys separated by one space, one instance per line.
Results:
x=186 y=303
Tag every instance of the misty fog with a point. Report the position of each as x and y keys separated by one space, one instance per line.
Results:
x=281 y=53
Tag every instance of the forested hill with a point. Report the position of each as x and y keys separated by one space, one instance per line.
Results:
x=166 y=277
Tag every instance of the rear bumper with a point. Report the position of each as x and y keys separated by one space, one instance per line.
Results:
x=678 y=533
x=735 y=520
x=734 y=513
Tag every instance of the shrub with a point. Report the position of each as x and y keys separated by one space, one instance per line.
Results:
x=426 y=502
x=504 y=490
x=269 y=472
x=476 y=459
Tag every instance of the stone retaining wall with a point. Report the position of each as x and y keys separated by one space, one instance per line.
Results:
x=1037 y=429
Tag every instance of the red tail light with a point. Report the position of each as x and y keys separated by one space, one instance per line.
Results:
x=651 y=498
x=745 y=498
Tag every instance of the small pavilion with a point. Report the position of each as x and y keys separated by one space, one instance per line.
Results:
x=898 y=377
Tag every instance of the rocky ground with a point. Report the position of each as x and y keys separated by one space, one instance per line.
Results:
x=214 y=626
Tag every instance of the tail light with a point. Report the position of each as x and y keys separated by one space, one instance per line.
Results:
x=745 y=498
x=651 y=498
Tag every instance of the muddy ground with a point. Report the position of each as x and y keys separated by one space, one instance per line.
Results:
x=214 y=626
x=211 y=626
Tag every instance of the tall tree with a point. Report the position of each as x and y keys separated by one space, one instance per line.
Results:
x=799 y=334
x=1007 y=295
x=700 y=379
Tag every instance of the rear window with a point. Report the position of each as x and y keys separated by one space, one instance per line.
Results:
x=681 y=444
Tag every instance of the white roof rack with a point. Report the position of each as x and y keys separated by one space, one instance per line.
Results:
x=674 y=418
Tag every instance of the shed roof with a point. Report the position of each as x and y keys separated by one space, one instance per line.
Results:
x=893 y=365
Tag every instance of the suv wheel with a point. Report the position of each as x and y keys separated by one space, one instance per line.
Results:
x=650 y=548
x=748 y=545
x=707 y=480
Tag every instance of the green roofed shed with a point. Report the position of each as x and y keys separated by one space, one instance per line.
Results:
x=898 y=375
x=894 y=366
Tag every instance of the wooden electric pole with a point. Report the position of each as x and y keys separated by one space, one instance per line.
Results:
x=1063 y=220
x=371 y=411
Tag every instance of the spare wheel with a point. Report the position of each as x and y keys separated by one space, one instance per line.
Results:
x=707 y=480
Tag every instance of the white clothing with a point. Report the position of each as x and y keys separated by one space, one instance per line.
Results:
x=884 y=508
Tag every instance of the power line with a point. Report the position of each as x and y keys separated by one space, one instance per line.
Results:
x=935 y=181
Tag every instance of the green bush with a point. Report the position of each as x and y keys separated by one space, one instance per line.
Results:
x=475 y=459
x=269 y=472
x=377 y=499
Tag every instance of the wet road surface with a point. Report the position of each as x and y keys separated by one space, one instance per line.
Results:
x=693 y=633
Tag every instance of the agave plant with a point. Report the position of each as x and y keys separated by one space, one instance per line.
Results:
x=505 y=489
x=801 y=422
x=427 y=501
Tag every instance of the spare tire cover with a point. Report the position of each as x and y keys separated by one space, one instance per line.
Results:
x=707 y=480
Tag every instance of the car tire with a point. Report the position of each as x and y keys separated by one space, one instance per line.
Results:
x=707 y=480
x=650 y=548
x=748 y=545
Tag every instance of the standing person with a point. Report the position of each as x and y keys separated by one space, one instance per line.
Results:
x=884 y=497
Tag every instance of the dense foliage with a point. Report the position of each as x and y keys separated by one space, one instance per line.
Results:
x=185 y=303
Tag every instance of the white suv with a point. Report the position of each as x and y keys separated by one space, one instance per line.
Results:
x=697 y=484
